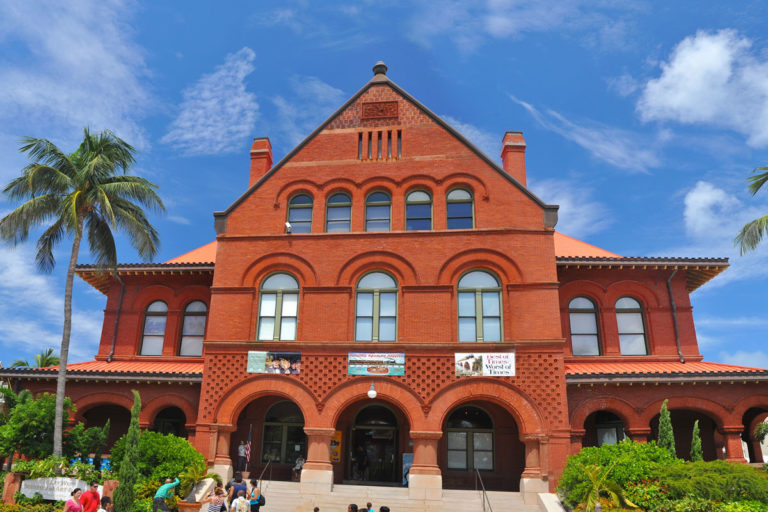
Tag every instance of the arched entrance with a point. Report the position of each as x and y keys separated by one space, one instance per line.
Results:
x=712 y=442
x=481 y=436
x=275 y=427
x=170 y=420
x=603 y=427
x=374 y=437
x=754 y=451
x=119 y=419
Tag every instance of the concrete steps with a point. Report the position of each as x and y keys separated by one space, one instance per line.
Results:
x=287 y=497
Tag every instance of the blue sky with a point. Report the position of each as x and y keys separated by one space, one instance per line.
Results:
x=642 y=120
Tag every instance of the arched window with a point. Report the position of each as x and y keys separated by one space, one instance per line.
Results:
x=338 y=215
x=629 y=318
x=584 y=337
x=279 y=308
x=300 y=214
x=377 y=212
x=418 y=211
x=459 y=208
x=284 y=439
x=193 y=329
x=479 y=307
x=154 y=329
x=469 y=432
x=376 y=308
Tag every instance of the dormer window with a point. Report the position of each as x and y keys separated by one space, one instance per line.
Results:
x=193 y=329
x=338 y=214
x=153 y=336
x=583 y=320
x=418 y=211
x=300 y=214
x=629 y=318
x=459 y=209
x=378 y=208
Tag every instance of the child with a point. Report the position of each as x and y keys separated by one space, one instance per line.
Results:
x=106 y=504
x=240 y=504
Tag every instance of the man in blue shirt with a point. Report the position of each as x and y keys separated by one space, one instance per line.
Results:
x=165 y=491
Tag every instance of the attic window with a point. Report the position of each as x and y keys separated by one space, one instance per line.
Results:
x=380 y=145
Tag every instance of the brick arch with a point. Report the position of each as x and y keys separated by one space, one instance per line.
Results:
x=151 y=409
x=414 y=181
x=618 y=406
x=276 y=262
x=393 y=392
x=238 y=397
x=354 y=267
x=479 y=258
x=151 y=293
x=719 y=414
x=341 y=185
x=98 y=398
x=627 y=288
x=468 y=181
x=525 y=412
x=375 y=183
x=743 y=405
x=296 y=187
x=583 y=288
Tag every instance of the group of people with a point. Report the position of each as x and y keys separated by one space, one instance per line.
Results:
x=368 y=508
x=236 y=497
x=88 y=501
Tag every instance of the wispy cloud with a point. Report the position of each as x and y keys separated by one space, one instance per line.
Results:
x=217 y=113
x=312 y=101
x=615 y=146
x=714 y=79
x=178 y=219
x=487 y=142
x=741 y=321
x=32 y=309
x=754 y=359
x=580 y=215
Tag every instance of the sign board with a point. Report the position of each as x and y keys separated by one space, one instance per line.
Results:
x=487 y=364
x=53 y=488
x=284 y=363
x=407 y=463
x=336 y=446
x=376 y=363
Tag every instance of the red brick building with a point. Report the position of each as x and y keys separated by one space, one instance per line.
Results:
x=386 y=233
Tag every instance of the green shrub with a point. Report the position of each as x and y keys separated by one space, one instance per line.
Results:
x=59 y=466
x=745 y=506
x=636 y=462
x=44 y=507
x=160 y=456
x=717 y=480
x=648 y=494
x=690 y=504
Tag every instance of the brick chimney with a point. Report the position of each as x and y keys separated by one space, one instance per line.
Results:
x=513 y=155
x=261 y=159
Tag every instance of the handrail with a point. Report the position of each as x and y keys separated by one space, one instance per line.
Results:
x=485 y=494
x=262 y=472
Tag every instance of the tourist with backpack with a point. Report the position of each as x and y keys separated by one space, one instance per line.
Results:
x=216 y=500
x=256 y=499
x=240 y=504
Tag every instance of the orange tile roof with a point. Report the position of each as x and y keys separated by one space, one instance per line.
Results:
x=579 y=370
x=569 y=246
x=132 y=367
x=204 y=254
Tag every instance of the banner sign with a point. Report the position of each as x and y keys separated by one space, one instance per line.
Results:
x=376 y=363
x=488 y=364
x=336 y=446
x=285 y=363
x=55 y=489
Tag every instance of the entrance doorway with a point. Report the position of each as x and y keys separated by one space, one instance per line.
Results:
x=373 y=448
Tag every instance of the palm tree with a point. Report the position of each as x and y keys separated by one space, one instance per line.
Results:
x=752 y=232
x=87 y=193
x=44 y=359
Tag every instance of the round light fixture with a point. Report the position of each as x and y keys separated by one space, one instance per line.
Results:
x=372 y=392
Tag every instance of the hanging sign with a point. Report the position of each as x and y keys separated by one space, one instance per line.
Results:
x=336 y=446
x=486 y=364
x=284 y=363
x=376 y=363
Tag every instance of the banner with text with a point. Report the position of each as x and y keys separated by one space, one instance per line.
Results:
x=376 y=363
x=285 y=363
x=487 y=364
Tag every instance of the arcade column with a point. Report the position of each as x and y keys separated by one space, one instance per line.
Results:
x=425 y=482
x=222 y=463
x=534 y=478
x=317 y=472
x=638 y=434
x=733 y=449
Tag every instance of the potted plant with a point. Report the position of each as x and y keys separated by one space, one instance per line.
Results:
x=190 y=485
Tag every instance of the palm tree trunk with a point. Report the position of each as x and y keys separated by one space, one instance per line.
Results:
x=64 y=351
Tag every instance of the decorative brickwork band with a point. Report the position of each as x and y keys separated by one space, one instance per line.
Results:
x=379 y=110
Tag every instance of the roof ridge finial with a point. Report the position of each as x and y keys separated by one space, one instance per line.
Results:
x=380 y=68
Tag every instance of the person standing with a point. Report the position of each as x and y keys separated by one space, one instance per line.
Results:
x=73 y=503
x=216 y=500
x=253 y=496
x=241 y=459
x=165 y=491
x=90 y=500
x=106 y=504
x=237 y=486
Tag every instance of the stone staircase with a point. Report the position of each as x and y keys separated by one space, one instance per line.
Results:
x=287 y=497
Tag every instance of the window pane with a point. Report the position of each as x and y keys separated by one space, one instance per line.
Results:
x=606 y=436
x=585 y=345
x=376 y=280
x=630 y=322
x=338 y=213
x=418 y=195
x=387 y=304
x=377 y=225
x=197 y=306
x=419 y=211
x=460 y=223
x=301 y=227
x=457 y=459
x=466 y=304
x=387 y=329
x=290 y=304
x=194 y=325
x=339 y=198
x=490 y=304
x=627 y=303
x=583 y=323
x=268 y=301
x=266 y=328
x=154 y=325
x=467 y=329
x=364 y=329
x=271 y=452
x=459 y=194
x=457 y=440
x=288 y=328
x=581 y=303
x=338 y=226
x=152 y=346
x=418 y=224
x=191 y=346
x=491 y=329
x=158 y=307
x=478 y=279
x=378 y=197
x=280 y=282
x=632 y=344
x=364 y=304
x=482 y=441
x=301 y=199
x=483 y=460
x=300 y=214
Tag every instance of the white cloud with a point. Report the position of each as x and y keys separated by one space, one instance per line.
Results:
x=312 y=101
x=741 y=321
x=710 y=212
x=217 y=113
x=713 y=79
x=487 y=142
x=624 y=84
x=579 y=215
x=65 y=65
x=32 y=309
x=617 y=147
x=178 y=219
x=756 y=359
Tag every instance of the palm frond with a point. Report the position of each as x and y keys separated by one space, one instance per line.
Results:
x=20 y=363
x=45 y=152
x=100 y=240
x=751 y=234
x=15 y=226
x=134 y=188
x=44 y=258
x=141 y=234
x=758 y=180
